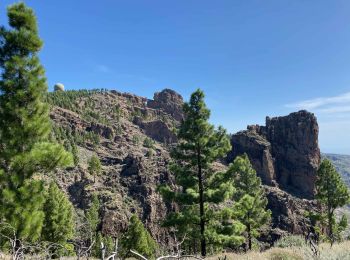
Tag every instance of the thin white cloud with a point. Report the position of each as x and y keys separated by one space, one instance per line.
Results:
x=335 y=110
x=103 y=68
x=325 y=104
x=333 y=115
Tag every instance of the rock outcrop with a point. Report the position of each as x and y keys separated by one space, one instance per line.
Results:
x=157 y=130
x=169 y=101
x=131 y=170
x=285 y=152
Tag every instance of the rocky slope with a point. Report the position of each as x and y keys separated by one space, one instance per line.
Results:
x=132 y=135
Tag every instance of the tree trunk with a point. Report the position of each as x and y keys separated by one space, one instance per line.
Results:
x=201 y=203
x=330 y=228
x=249 y=237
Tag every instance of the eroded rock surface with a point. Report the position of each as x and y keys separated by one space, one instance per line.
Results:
x=285 y=152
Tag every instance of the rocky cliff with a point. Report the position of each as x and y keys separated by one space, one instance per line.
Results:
x=285 y=152
x=131 y=135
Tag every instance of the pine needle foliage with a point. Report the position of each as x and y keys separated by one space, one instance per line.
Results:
x=25 y=149
x=59 y=222
x=137 y=238
x=94 y=166
x=250 y=200
x=200 y=189
x=332 y=193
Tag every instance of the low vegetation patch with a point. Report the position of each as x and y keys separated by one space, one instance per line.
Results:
x=337 y=251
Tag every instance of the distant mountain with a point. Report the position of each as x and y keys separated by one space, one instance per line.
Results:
x=342 y=163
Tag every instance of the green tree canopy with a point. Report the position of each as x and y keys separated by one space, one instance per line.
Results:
x=199 y=186
x=59 y=221
x=137 y=238
x=25 y=126
x=332 y=193
x=250 y=200
x=94 y=166
x=92 y=214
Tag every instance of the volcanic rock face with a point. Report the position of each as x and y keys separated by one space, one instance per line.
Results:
x=169 y=101
x=132 y=170
x=285 y=152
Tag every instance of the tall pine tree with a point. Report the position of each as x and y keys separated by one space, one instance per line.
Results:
x=59 y=223
x=93 y=215
x=24 y=125
x=199 y=186
x=332 y=193
x=250 y=200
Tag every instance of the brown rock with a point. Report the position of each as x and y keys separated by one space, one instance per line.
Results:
x=285 y=151
x=259 y=152
x=157 y=130
x=169 y=101
x=294 y=140
x=288 y=211
x=102 y=130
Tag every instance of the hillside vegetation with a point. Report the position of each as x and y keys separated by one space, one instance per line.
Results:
x=342 y=163
x=337 y=251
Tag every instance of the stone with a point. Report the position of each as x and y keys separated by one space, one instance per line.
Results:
x=157 y=130
x=285 y=148
x=169 y=101
x=284 y=152
x=294 y=140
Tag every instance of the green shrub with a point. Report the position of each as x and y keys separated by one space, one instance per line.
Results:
x=284 y=256
x=290 y=241
x=150 y=153
x=148 y=142
x=136 y=139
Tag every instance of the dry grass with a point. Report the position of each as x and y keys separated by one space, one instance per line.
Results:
x=337 y=252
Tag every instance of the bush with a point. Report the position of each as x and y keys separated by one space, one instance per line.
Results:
x=285 y=256
x=148 y=142
x=150 y=153
x=290 y=241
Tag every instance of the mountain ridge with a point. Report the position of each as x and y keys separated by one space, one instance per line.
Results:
x=133 y=135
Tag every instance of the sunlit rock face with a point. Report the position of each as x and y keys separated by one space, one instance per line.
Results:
x=284 y=153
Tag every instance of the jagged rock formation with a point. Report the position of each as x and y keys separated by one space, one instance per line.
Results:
x=285 y=152
x=169 y=101
x=118 y=128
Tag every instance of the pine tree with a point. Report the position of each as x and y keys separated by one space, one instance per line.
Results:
x=58 y=225
x=25 y=126
x=75 y=154
x=92 y=214
x=332 y=193
x=201 y=187
x=250 y=200
x=139 y=239
x=94 y=166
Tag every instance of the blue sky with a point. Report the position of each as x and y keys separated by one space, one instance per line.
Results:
x=252 y=58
